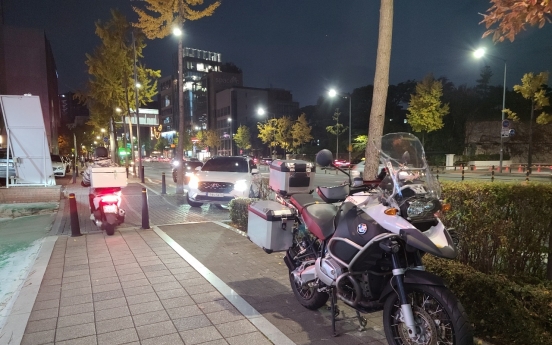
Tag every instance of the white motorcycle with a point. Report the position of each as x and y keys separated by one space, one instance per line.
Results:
x=365 y=245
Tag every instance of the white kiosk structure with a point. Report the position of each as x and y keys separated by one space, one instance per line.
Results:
x=26 y=142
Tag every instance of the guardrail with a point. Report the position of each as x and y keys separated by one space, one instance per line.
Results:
x=541 y=170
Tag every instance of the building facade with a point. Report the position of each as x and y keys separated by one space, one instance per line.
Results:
x=27 y=66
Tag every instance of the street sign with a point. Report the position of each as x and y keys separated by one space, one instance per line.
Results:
x=505 y=123
x=505 y=133
x=105 y=139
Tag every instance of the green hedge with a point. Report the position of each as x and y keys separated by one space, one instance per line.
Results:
x=501 y=310
x=238 y=212
x=503 y=227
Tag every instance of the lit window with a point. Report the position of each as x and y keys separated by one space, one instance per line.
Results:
x=200 y=67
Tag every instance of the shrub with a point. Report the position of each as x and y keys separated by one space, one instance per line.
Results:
x=500 y=309
x=238 y=212
x=503 y=227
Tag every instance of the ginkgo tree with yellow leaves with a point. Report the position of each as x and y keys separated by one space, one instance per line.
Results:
x=533 y=88
x=285 y=133
x=243 y=138
x=111 y=81
x=157 y=19
x=425 y=110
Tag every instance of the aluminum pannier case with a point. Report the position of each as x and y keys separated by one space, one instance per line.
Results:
x=291 y=176
x=270 y=226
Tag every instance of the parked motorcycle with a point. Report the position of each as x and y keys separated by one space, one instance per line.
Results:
x=364 y=246
x=107 y=209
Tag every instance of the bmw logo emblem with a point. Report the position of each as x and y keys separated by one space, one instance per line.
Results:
x=362 y=228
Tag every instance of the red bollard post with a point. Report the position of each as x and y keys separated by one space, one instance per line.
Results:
x=145 y=209
x=75 y=226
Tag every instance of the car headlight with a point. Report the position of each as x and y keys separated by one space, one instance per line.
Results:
x=175 y=164
x=240 y=185
x=194 y=182
x=421 y=207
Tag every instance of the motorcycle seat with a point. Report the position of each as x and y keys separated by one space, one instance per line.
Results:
x=318 y=216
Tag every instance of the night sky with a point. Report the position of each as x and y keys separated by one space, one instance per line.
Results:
x=306 y=46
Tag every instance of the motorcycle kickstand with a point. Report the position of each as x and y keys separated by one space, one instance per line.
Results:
x=362 y=321
x=335 y=311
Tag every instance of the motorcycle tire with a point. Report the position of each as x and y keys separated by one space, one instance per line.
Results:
x=310 y=298
x=439 y=314
x=110 y=223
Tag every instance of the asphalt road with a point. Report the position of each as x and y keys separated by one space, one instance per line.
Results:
x=153 y=172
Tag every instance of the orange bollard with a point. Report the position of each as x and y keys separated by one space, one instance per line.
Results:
x=519 y=168
x=538 y=168
x=507 y=168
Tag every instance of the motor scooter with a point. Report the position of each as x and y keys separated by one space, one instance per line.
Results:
x=107 y=211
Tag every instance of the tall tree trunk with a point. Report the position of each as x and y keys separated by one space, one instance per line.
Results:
x=530 y=151
x=381 y=84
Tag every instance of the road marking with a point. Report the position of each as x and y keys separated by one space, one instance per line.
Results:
x=263 y=325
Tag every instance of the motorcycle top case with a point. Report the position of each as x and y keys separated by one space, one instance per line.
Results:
x=291 y=176
x=105 y=177
x=270 y=225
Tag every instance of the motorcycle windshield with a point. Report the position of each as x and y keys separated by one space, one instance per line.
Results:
x=408 y=174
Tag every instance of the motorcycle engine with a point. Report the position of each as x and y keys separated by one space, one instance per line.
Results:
x=327 y=270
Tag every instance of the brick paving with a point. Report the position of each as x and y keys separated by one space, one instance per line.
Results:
x=262 y=280
x=130 y=288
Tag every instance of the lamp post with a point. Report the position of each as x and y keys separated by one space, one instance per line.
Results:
x=231 y=136
x=262 y=112
x=479 y=53
x=137 y=111
x=180 y=147
x=332 y=93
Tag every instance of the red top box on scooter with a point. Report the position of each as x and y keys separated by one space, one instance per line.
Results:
x=101 y=177
x=291 y=176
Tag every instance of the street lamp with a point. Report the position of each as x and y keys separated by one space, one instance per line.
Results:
x=332 y=93
x=177 y=31
x=479 y=53
x=137 y=111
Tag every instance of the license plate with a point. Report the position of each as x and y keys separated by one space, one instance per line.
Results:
x=110 y=209
x=216 y=194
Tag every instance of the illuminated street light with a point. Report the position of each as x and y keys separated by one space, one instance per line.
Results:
x=332 y=93
x=479 y=53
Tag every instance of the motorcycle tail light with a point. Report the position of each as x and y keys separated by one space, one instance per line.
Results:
x=110 y=198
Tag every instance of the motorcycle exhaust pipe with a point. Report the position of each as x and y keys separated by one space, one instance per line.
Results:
x=289 y=262
x=353 y=301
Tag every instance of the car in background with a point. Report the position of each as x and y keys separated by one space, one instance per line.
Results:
x=58 y=165
x=358 y=170
x=189 y=168
x=222 y=179
x=341 y=163
x=6 y=164
x=266 y=160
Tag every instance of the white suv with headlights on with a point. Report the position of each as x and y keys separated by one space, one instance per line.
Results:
x=222 y=179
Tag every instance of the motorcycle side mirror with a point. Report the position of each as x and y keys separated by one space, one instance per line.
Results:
x=324 y=158
x=406 y=157
x=358 y=182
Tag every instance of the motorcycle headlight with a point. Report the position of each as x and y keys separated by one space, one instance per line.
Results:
x=175 y=164
x=421 y=207
x=194 y=182
x=240 y=186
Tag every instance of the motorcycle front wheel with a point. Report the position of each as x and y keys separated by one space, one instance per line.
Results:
x=439 y=316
